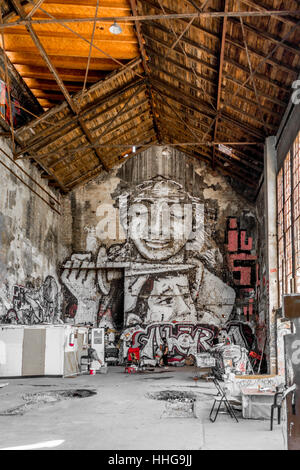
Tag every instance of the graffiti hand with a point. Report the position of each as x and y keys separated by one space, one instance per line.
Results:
x=81 y=280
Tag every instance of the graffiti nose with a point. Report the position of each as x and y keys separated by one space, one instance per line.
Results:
x=156 y=225
x=159 y=221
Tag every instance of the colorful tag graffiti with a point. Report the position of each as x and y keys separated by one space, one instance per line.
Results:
x=31 y=306
x=242 y=263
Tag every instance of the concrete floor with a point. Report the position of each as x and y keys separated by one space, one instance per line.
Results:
x=122 y=417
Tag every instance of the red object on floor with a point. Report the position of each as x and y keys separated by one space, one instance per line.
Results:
x=130 y=370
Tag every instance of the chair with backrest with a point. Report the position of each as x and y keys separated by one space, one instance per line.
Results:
x=279 y=397
x=221 y=399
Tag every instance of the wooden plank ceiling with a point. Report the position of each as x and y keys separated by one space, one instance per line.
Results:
x=214 y=85
x=68 y=45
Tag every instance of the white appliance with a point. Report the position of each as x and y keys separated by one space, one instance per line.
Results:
x=97 y=342
x=39 y=350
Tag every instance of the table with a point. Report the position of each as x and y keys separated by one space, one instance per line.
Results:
x=257 y=403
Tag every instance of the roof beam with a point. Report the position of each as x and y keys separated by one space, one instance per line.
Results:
x=261 y=7
x=146 y=67
x=253 y=81
x=216 y=37
x=208 y=80
x=165 y=87
x=145 y=130
x=79 y=148
x=34 y=9
x=268 y=37
x=192 y=106
x=42 y=138
x=203 y=107
x=97 y=86
x=129 y=19
x=272 y=99
x=261 y=63
x=82 y=148
x=21 y=12
x=236 y=160
x=212 y=53
x=220 y=78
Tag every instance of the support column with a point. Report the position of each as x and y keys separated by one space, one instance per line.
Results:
x=270 y=170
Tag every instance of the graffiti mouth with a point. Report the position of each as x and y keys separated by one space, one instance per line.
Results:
x=157 y=244
x=35 y=400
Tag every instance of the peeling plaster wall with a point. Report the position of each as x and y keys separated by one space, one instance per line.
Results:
x=262 y=276
x=29 y=247
x=136 y=285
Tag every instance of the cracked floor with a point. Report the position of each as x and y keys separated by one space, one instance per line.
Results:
x=123 y=415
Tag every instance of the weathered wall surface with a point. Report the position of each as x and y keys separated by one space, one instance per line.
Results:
x=128 y=271
x=262 y=276
x=29 y=248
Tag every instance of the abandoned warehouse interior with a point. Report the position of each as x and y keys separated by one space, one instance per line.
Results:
x=150 y=190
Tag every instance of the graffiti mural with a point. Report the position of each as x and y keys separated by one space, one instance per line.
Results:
x=163 y=265
x=184 y=339
x=240 y=334
x=32 y=306
x=242 y=263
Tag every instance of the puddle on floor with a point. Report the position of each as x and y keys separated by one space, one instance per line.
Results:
x=178 y=404
x=170 y=395
x=34 y=400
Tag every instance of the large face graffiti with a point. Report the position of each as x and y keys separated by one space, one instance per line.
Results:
x=163 y=299
x=160 y=219
x=164 y=277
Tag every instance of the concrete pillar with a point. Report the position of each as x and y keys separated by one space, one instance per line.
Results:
x=270 y=170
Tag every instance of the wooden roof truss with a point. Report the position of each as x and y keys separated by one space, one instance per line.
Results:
x=213 y=78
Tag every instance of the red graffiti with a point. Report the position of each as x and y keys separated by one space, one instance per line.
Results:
x=242 y=263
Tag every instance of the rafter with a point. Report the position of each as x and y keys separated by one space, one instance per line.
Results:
x=262 y=7
x=146 y=67
x=213 y=55
x=262 y=62
x=21 y=12
x=216 y=38
x=34 y=9
x=106 y=144
x=93 y=45
x=220 y=77
x=253 y=81
x=208 y=80
x=44 y=136
x=84 y=147
x=130 y=19
x=191 y=101
x=268 y=37
x=145 y=130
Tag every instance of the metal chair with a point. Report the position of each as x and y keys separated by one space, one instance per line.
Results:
x=279 y=397
x=221 y=399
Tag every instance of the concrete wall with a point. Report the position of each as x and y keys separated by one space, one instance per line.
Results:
x=29 y=246
x=145 y=289
x=262 y=288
